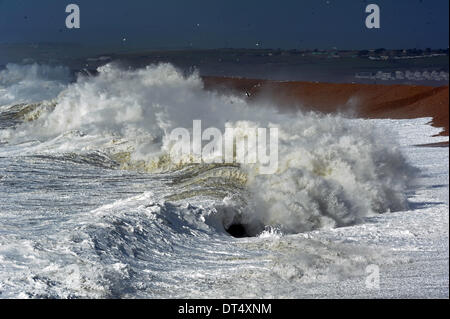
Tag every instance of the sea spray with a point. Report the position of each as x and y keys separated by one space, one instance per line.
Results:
x=31 y=83
x=332 y=171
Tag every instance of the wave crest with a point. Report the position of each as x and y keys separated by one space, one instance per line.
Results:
x=332 y=171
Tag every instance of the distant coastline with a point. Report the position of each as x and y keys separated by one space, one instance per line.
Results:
x=402 y=66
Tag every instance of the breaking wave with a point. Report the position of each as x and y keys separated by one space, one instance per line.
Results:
x=31 y=83
x=332 y=171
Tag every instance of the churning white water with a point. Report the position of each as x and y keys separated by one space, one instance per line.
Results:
x=93 y=206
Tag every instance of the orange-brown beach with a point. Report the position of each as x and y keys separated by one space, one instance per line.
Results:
x=360 y=100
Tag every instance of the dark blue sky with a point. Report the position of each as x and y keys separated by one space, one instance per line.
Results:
x=229 y=23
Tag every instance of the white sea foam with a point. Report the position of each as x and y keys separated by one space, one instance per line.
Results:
x=332 y=171
x=73 y=227
x=31 y=83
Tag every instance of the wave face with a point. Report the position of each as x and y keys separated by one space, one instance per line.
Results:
x=118 y=217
